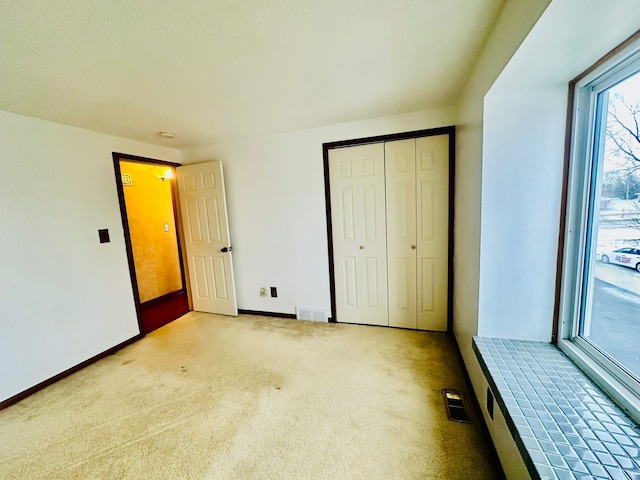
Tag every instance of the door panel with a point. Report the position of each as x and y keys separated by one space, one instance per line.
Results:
x=359 y=243
x=400 y=157
x=371 y=286
x=432 y=180
x=193 y=220
x=428 y=283
x=428 y=215
x=348 y=220
x=200 y=287
x=350 y=284
x=204 y=213
x=405 y=275
x=212 y=213
x=370 y=207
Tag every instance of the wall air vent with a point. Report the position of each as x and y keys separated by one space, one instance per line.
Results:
x=454 y=402
x=312 y=314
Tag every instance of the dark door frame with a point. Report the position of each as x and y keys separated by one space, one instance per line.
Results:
x=117 y=157
x=451 y=131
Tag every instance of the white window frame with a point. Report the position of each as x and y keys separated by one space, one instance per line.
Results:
x=587 y=144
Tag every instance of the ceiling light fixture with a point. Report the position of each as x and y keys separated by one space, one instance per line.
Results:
x=166 y=134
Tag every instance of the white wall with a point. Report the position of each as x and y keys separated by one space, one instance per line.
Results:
x=513 y=24
x=64 y=297
x=276 y=198
x=522 y=167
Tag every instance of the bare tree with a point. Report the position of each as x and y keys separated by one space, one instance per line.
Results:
x=633 y=217
x=623 y=131
x=623 y=184
x=623 y=148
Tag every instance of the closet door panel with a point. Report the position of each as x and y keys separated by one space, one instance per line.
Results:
x=400 y=157
x=357 y=187
x=432 y=183
x=390 y=224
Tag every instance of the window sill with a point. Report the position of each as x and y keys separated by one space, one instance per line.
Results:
x=624 y=394
x=564 y=426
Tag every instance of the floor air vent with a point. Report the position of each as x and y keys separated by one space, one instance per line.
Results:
x=312 y=314
x=454 y=402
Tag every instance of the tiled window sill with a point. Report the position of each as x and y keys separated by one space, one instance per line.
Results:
x=564 y=426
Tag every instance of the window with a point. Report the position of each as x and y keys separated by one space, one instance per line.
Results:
x=600 y=298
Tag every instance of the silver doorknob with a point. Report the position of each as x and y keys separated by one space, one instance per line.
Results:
x=361 y=247
x=413 y=247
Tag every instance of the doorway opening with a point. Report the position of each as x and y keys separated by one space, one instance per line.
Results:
x=146 y=193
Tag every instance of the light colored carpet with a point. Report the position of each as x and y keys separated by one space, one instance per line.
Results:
x=212 y=397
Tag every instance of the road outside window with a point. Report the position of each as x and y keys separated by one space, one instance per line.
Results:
x=611 y=317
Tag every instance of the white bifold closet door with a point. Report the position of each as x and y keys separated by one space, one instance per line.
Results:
x=417 y=184
x=389 y=212
x=400 y=158
x=356 y=176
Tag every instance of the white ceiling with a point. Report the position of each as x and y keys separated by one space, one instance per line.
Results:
x=223 y=69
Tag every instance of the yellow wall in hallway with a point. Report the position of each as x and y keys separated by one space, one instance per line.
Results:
x=149 y=208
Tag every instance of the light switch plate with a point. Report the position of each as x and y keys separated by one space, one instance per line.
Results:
x=103 y=234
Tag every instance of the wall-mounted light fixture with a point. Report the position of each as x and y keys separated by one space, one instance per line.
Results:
x=166 y=175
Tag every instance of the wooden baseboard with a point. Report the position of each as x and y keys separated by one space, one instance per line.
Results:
x=267 y=314
x=162 y=310
x=30 y=391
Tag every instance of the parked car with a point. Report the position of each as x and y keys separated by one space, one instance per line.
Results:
x=628 y=257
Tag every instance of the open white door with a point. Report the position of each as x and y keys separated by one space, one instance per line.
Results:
x=206 y=234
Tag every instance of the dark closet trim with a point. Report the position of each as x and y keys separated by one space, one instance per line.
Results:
x=452 y=216
x=117 y=157
x=389 y=138
x=451 y=131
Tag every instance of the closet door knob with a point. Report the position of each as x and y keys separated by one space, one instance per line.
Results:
x=413 y=247
x=361 y=247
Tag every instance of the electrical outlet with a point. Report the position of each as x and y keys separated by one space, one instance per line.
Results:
x=489 y=403
x=274 y=292
x=263 y=291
